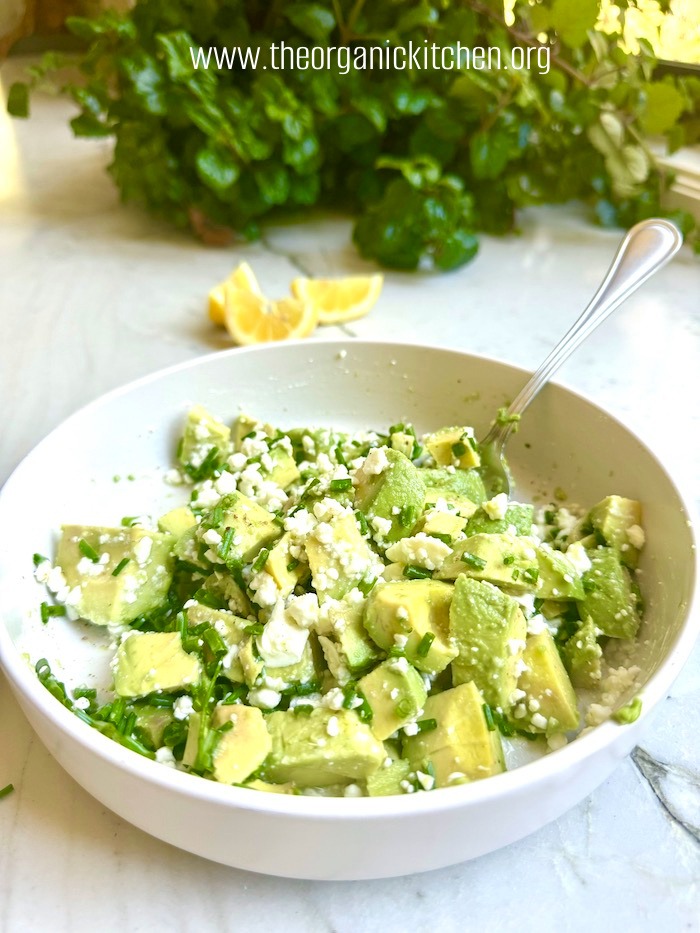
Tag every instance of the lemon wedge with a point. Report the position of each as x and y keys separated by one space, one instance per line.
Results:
x=251 y=318
x=338 y=301
x=242 y=277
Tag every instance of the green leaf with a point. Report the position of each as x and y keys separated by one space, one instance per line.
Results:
x=143 y=74
x=175 y=51
x=87 y=125
x=572 y=19
x=311 y=19
x=217 y=168
x=424 y=14
x=18 y=100
x=663 y=106
x=489 y=152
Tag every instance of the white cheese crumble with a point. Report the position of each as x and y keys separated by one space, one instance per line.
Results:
x=496 y=508
x=183 y=708
x=578 y=558
x=264 y=698
x=426 y=781
x=636 y=536
x=164 y=756
x=333 y=726
x=282 y=641
x=421 y=550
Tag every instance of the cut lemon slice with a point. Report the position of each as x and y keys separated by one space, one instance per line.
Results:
x=250 y=318
x=339 y=300
x=241 y=277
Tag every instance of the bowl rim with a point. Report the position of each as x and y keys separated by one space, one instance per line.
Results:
x=22 y=677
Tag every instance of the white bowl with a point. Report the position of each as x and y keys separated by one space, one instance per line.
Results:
x=565 y=441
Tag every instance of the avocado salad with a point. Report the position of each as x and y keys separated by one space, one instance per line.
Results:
x=346 y=614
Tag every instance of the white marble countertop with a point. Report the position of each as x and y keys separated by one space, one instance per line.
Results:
x=93 y=294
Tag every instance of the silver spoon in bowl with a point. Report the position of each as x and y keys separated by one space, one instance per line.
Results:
x=646 y=248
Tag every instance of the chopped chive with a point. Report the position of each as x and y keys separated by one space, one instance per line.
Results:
x=4 y=791
x=292 y=565
x=397 y=429
x=446 y=539
x=407 y=516
x=340 y=485
x=226 y=542
x=589 y=586
x=362 y=522
x=38 y=559
x=238 y=692
x=538 y=603
x=477 y=563
x=515 y=574
x=531 y=574
x=426 y=725
x=549 y=516
x=472 y=442
x=129 y=520
x=120 y=566
x=412 y=572
x=180 y=446
x=302 y=709
x=249 y=435
x=47 y=611
x=365 y=586
x=459 y=449
x=215 y=642
x=340 y=456
x=488 y=716
x=424 y=644
x=260 y=560
x=509 y=559
x=88 y=551
x=404 y=708
x=255 y=628
x=215 y=517
x=417 y=451
x=88 y=692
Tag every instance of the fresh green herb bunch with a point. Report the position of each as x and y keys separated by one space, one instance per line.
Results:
x=423 y=158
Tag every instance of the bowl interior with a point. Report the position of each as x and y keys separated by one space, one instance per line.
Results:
x=109 y=459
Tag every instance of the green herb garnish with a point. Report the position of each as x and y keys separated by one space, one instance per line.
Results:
x=424 y=644
x=88 y=551
x=471 y=560
x=413 y=572
x=340 y=485
x=120 y=566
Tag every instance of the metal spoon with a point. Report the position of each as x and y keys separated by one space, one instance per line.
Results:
x=646 y=248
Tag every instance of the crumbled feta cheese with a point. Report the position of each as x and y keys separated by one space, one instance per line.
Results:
x=264 y=698
x=556 y=741
x=536 y=625
x=577 y=556
x=263 y=585
x=496 y=508
x=282 y=641
x=421 y=550
x=411 y=728
x=636 y=536
x=173 y=478
x=164 y=756
x=183 y=708
x=42 y=571
x=539 y=721
x=211 y=537
x=352 y=790
x=333 y=726
x=303 y=610
x=381 y=526
x=426 y=781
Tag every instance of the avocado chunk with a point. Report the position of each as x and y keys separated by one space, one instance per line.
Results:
x=503 y=559
x=403 y=442
x=489 y=630
x=202 y=433
x=270 y=788
x=582 y=654
x=286 y=570
x=253 y=527
x=387 y=781
x=251 y=663
x=550 y=703
x=463 y=484
x=281 y=467
x=447 y=525
x=140 y=584
x=151 y=723
x=396 y=694
x=220 y=586
x=461 y=748
x=517 y=516
x=242 y=748
x=388 y=481
x=609 y=600
x=347 y=646
x=558 y=578
x=231 y=628
x=323 y=748
x=339 y=557
x=414 y=615
x=177 y=521
x=454 y=447
x=611 y=519
x=153 y=662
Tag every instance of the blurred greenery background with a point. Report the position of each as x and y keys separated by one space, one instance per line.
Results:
x=424 y=159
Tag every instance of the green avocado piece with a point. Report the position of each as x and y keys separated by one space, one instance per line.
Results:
x=518 y=516
x=458 y=505
x=395 y=692
x=403 y=442
x=241 y=749
x=278 y=565
x=558 y=578
x=153 y=662
x=609 y=597
x=466 y=484
x=611 y=519
x=415 y=615
x=230 y=628
x=151 y=722
x=387 y=780
x=550 y=703
x=305 y=671
x=400 y=485
x=221 y=586
x=139 y=586
x=253 y=528
x=347 y=647
x=506 y=560
x=284 y=470
x=245 y=425
x=454 y=446
x=461 y=748
x=250 y=661
x=582 y=654
x=177 y=521
x=339 y=557
x=325 y=747
x=446 y=525
x=202 y=432
x=489 y=629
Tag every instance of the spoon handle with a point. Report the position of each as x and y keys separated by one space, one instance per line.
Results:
x=646 y=248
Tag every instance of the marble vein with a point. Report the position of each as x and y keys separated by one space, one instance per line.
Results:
x=676 y=788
